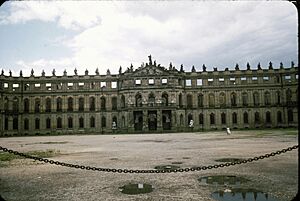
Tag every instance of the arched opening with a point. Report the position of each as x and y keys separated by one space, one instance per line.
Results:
x=15 y=123
x=103 y=103
x=122 y=101
x=151 y=99
x=26 y=105
x=180 y=100
x=165 y=99
x=114 y=103
x=59 y=104
x=245 y=99
x=48 y=105
x=37 y=105
x=212 y=118
x=138 y=100
x=200 y=100
x=81 y=104
x=223 y=118
x=59 y=123
x=256 y=118
x=189 y=100
x=81 y=122
x=246 y=120
x=201 y=119
x=48 y=123
x=70 y=122
x=37 y=123
x=103 y=122
x=267 y=98
x=233 y=99
x=222 y=99
x=268 y=117
x=26 y=124
x=92 y=104
x=190 y=117
x=256 y=99
x=211 y=100
x=6 y=104
x=234 y=118
x=92 y=122
x=70 y=104
x=290 y=116
x=279 y=117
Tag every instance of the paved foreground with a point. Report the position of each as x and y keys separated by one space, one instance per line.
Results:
x=24 y=179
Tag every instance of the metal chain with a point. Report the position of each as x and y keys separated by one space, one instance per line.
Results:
x=45 y=160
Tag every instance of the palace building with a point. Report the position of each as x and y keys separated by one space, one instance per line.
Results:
x=151 y=98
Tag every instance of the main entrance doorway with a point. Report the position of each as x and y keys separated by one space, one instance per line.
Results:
x=152 y=120
x=138 y=120
x=166 y=119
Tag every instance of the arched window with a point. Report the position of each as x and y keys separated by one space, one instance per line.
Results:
x=190 y=117
x=245 y=99
x=201 y=119
x=245 y=117
x=114 y=103
x=223 y=118
x=81 y=122
x=92 y=104
x=234 y=118
x=279 y=117
x=103 y=103
x=180 y=100
x=278 y=98
x=268 y=117
x=222 y=99
x=103 y=122
x=122 y=101
x=48 y=123
x=267 y=98
x=288 y=96
x=70 y=122
x=59 y=104
x=92 y=122
x=37 y=123
x=59 y=122
x=212 y=118
x=26 y=105
x=165 y=101
x=70 y=104
x=81 y=104
x=290 y=116
x=211 y=99
x=200 y=100
x=48 y=105
x=138 y=100
x=256 y=98
x=15 y=123
x=189 y=100
x=256 y=118
x=123 y=122
x=151 y=99
x=26 y=124
x=16 y=105
x=37 y=105
x=6 y=104
x=233 y=99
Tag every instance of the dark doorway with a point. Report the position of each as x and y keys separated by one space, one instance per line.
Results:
x=166 y=119
x=152 y=120
x=138 y=120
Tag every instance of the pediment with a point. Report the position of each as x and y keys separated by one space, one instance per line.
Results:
x=150 y=70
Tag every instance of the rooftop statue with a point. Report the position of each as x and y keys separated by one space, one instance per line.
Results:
x=2 y=72
x=97 y=71
x=170 y=66
x=53 y=72
x=154 y=63
x=21 y=73
x=181 y=68
x=75 y=71
x=215 y=69
x=237 y=67
x=43 y=73
x=150 y=59
x=193 y=69
x=258 y=66
x=32 y=72
x=270 y=65
x=281 y=65
x=108 y=72
x=204 y=68
x=65 y=72
x=10 y=73
x=86 y=72
x=120 y=70
x=248 y=66
x=292 y=64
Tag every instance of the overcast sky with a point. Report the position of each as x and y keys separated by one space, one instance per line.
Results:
x=110 y=34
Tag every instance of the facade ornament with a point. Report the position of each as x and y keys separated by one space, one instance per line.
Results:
x=10 y=73
x=181 y=68
x=158 y=65
x=248 y=66
x=53 y=72
x=32 y=72
x=43 y=73
x=258 y=66
x=270 y=65
x=237 y=67
x=21 y=73
x=75 y=71
x=150 y=59
x=97 y=71
x=65 y=72
x=170 y=66
x=2 y=72
x=292 y=64
x=154 y=63
x=203 y=68
x=120 y=70
x=86 y=72
x=193 y=69
x=108 y=72
x=281 y=65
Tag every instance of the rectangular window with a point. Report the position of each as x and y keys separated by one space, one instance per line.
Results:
x=243 y=79
x=164 y=81
x=5 y=85
x=221 y=79
x=287 y=77
x=138 y=82
x=188 y=83
x=37 y=85
x=113 y=85
x=266 y=78
x=254 y=78
x=70 y=85
x=151 y=81
x=81 y=84
x=296 y=76
x=199 y=82
x=48 y=86
x=16 y=85
x=102 y=84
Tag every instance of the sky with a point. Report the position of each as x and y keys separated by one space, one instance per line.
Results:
x=108 y=34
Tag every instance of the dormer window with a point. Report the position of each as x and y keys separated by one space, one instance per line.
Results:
x=102 y=84
x=138 y=82
x=188 y=82
x=114 y=85
x=199 y=82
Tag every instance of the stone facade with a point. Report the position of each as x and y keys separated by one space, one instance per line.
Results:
x=150 y=98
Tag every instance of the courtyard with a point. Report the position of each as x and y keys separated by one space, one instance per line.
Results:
x=25 y=179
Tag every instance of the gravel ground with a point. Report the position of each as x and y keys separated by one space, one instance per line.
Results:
x=24 y=179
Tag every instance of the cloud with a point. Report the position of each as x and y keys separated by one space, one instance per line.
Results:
x=215 y=33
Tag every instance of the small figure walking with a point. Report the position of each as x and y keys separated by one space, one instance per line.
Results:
x=228 y=131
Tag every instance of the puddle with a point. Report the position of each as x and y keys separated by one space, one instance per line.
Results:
x=229 y=160
x=114 y=159
x=185 y=157
x=222 y=180
x=134 y=189
x=240 y=194
x=167 y=167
